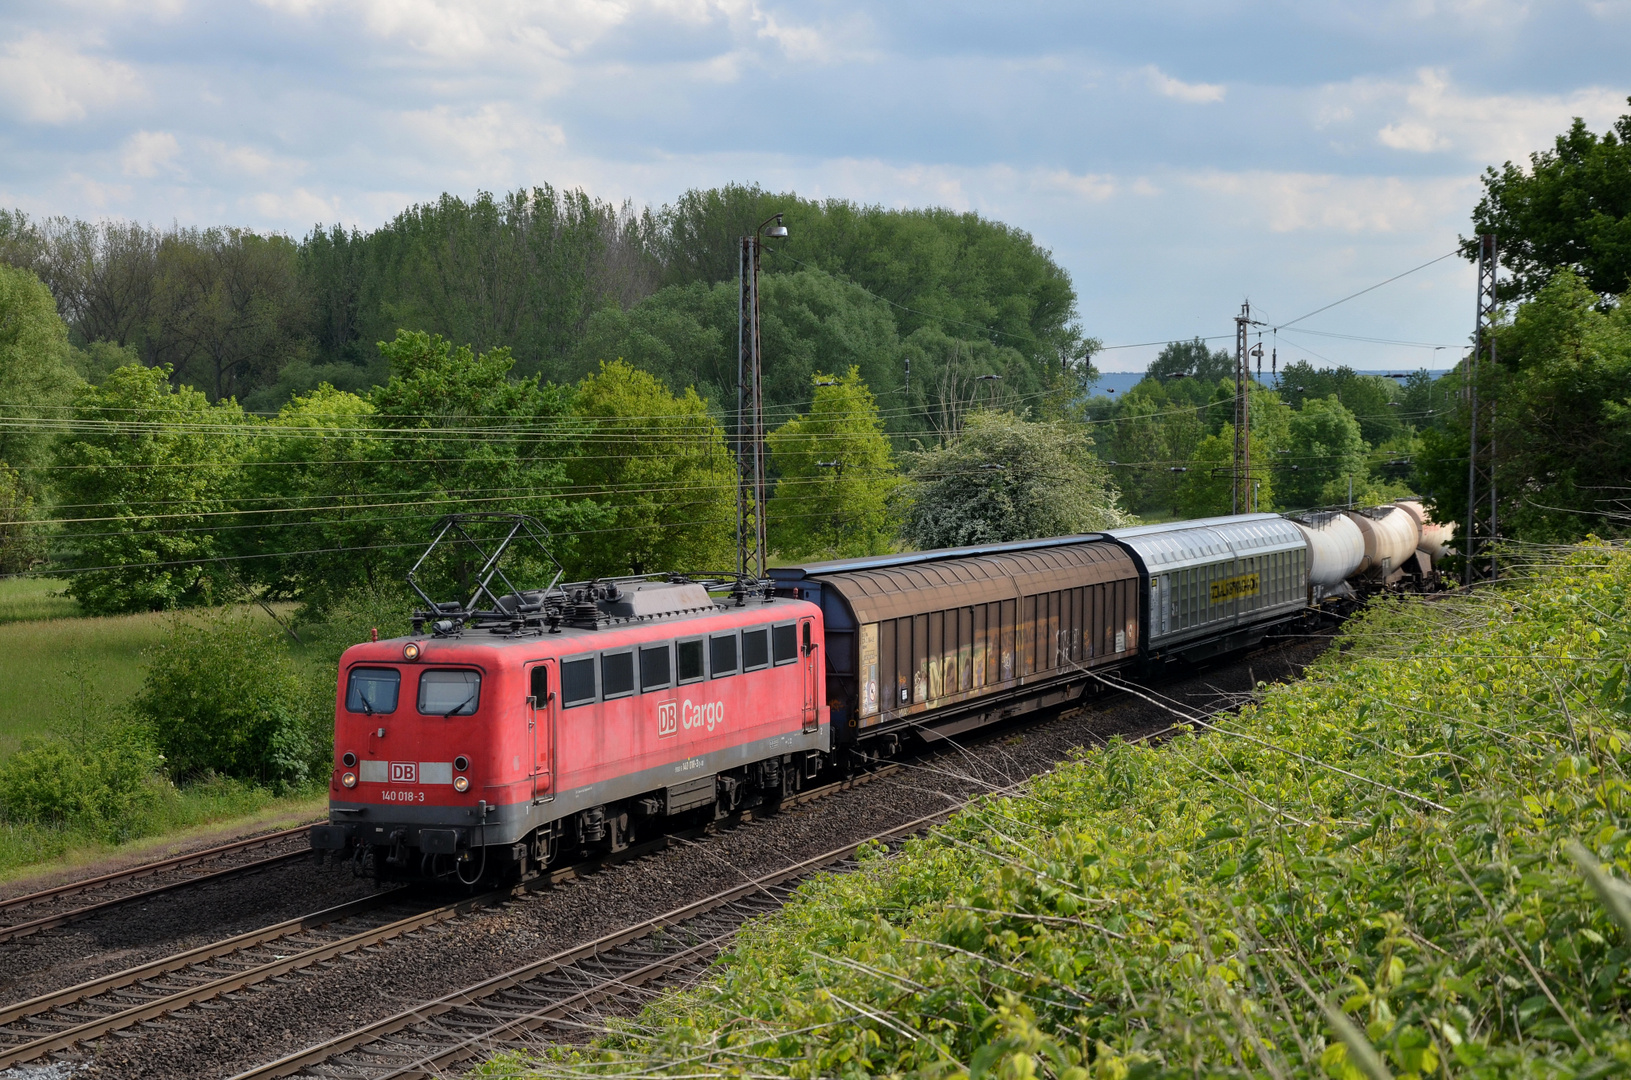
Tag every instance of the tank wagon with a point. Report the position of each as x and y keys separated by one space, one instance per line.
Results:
x=501 y=734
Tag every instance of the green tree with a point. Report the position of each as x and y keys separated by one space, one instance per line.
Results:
x=835 y=475
x=1563 y=439
x=1325 y=448
x=230 y=308
x=311 y=486
x=461 y=436
x=21 y=545
x=1207 y=488
x=1006 y=478
x=1153 y=434
x=952 y=270
x=657 y=467
x=34 y=369
x=1192 y=359
x=809 y=320
x=142 y=492
x=1375 y=401
x=1570 y=209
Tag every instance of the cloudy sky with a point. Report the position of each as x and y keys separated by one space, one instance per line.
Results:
x=1177 y=158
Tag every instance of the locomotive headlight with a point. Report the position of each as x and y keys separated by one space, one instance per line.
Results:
x=461 y=784
x=348 y=780
x=410 y=651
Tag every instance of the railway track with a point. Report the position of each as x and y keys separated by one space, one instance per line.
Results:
x=59 y=1021
x=15 y=912
x=564 y=992
x=564 y=996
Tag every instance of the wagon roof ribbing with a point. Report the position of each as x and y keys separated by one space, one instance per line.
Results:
x=892 y=592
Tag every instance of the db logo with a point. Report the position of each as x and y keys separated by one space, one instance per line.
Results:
x=668 y=722
x=404 y=772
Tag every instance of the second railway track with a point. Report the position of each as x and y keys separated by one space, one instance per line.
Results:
x=61 y=1020
x=32 y=912
x=564 y=992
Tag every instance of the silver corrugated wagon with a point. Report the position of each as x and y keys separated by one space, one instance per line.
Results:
x=1216 y=584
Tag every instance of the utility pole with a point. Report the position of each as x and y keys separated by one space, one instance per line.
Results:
x=1481 y=527
x=750 y=410
x=1241 y=494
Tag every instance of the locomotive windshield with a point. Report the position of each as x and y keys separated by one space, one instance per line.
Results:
x=373 y=690
x=449 y=693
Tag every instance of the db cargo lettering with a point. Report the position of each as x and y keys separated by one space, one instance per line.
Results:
x=709 y=715
x=671 y=717
x=1234 y=588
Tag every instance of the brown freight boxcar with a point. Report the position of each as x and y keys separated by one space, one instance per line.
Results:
x=938 y=642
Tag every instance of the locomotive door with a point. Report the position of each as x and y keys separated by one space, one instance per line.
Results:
x=541 y=727
x=810 y=660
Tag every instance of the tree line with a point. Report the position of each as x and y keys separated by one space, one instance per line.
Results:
x=1319 y=436
x=197 y=414
x=922 y=302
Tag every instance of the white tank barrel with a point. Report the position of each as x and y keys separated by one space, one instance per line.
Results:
x=1435 y=537
x=1390 y=535
x=1335 y=548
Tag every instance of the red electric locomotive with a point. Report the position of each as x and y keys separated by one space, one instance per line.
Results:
x=572 y=718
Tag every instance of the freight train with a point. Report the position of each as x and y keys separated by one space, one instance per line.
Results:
x=521 y=726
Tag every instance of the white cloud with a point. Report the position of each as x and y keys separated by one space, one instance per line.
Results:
x=47 y=80
x=1286 y=202
x=1193 y=93
x=146 y=152
x=299 y=207
x=1410 y=135
x=1432 y=114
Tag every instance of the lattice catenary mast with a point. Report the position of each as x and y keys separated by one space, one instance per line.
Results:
x=1482 y=526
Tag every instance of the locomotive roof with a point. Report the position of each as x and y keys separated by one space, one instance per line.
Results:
x=501 y=636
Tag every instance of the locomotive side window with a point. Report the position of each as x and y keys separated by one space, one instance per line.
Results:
x=577 y=682
x=689 y=654
x=755 y=649
x=539 y=685
x=722 y=655
x=373 y=690
x=616 y=675
x=784 y=643
x=449 y=693
x=654 y=668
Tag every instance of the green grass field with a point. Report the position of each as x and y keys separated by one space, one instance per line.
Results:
x=46 y=666
x=26 y=599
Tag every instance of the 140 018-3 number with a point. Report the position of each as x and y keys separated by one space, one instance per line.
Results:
x=403 y=796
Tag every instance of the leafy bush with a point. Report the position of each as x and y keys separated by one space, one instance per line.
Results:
x=97 y=786
x=1364 y=874
x=224 y=696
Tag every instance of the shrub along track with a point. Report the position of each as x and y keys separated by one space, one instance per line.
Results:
x=287 y=1011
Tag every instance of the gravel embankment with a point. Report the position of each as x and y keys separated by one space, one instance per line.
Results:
x=281 y=1016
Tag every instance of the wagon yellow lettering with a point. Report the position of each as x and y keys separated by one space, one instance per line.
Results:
x=1234 y=588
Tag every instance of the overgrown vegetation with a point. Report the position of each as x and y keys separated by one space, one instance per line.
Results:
x=146 y=724
x=1364 y=874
